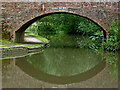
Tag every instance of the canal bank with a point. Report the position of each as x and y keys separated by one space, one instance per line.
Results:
x=18 y=51
x=30 y=45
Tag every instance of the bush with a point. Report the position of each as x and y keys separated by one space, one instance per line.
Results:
x=113 y=42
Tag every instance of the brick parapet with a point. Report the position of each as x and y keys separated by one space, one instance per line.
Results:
x=16 y=14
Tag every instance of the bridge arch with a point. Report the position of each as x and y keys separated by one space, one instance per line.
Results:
x=19 y=32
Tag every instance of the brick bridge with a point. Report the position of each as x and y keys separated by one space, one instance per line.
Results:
x=17 y=16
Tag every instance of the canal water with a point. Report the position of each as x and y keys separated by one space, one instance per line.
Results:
x=65 y=63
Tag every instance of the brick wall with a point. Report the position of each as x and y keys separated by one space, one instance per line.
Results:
x=17 y=16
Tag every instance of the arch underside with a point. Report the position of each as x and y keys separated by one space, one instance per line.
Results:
x=19 y=33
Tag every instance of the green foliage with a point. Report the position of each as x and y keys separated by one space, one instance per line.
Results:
x=6 y=43
x=111 y=57
x=96 y=40
x=87 y=27
x=113 y=42
x=64 y=23
x=73 y=24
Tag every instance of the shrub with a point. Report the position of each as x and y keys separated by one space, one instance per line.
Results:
x=113 y=42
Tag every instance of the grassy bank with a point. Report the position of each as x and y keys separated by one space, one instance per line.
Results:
x=44 y=40
x=7 y=43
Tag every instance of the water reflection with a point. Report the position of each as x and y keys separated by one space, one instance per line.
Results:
x=63 y=62
x=40 y=75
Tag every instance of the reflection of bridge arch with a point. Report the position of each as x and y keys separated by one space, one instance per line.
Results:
x=19 y=33
x=30 y=70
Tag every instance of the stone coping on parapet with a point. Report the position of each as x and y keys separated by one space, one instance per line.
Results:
x=59 y=0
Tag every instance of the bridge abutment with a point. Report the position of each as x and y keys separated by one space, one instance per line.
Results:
x=19 y=37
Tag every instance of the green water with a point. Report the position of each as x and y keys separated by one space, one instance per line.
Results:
x=64 y=58
x=64 y=61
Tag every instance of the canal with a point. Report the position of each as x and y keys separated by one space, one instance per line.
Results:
x=65 y=63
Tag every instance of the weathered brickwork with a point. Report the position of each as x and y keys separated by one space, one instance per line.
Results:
x=17 y=16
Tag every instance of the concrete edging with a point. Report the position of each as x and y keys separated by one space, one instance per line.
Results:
x=18 y=51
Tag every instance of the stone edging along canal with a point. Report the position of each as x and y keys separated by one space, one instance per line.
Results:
x=18 y=51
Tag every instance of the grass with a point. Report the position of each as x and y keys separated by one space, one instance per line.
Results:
x=34 y=45
x=6 y=43
x=38 y=37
